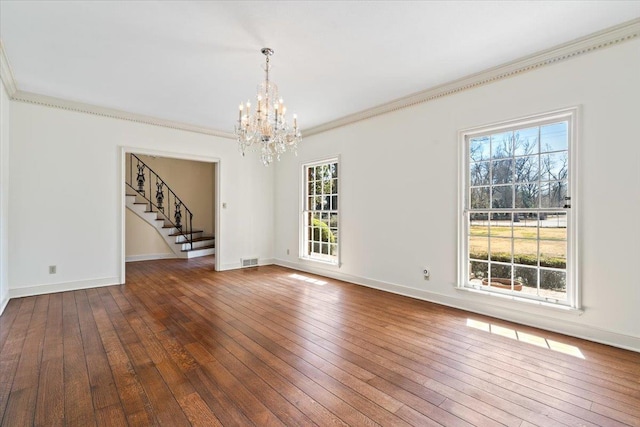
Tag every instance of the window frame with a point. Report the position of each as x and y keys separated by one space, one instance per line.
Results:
x=571 y=115
x=303 y=253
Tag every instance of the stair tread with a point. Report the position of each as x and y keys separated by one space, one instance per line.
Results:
x=200 y=239
x=180 y=234
x=197 y=249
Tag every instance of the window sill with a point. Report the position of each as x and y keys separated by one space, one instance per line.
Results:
x=519 y=300
x=320 y=261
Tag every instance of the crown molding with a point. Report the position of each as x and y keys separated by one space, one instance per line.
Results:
x=6 y=75
x=50 y=101
x=596 y=41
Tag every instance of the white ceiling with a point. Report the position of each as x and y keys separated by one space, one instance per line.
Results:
x=194 y=61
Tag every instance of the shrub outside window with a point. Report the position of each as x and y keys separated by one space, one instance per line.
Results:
x=518 y=219
x=320 y=222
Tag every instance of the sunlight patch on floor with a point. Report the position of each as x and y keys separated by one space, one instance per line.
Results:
x=528 y=338
x=308 y=279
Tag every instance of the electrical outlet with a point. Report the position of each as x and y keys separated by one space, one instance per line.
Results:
x=426 y=272
x=287 y=251
x=52 y=269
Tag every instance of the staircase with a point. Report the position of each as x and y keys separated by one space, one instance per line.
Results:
x=165 y=217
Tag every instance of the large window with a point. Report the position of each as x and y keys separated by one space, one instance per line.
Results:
x=319 y=234
x=518 y=215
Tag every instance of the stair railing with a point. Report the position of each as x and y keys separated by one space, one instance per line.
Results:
x=171 y=208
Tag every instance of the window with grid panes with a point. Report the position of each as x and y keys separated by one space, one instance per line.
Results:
x=320 y=215
x=517 y=217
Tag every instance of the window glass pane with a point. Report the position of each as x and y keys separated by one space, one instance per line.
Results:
x=553 y=281
x=527 y=219
x=334 y=203
x=553 y=225
x=479 y=198
x=500 y=249
x=502 y=171
x=334 y=249
x=527 y=169
x=478 y=247
x=525 y=252
x=527 y=195
x=333 y=220
x=479 y=148
x=553 y=194
x=479 y=224
x=479 y=173
x=501 y=145
x=334 y=170
x=528 y=277
x=317 y=203
x=554 y=137
x=554 y=166
x=478 y=270
x=500 y=225
x=502 y=196
x=525 y=141
x=500 y=275
x=310 y=174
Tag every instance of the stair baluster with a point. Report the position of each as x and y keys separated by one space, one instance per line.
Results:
x=175 y=219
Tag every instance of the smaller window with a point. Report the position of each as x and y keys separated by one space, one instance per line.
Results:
x=319 y=231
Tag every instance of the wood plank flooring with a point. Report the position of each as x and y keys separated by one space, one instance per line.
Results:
x=181 y=344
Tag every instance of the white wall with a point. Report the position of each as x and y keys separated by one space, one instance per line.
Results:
x=399 y=184
x=142 y=240
x=4 y=200
x=66 y=196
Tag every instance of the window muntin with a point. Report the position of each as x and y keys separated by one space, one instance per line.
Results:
x=517 y=217
x=320 y=214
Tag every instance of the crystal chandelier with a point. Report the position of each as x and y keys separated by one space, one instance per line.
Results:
x=267 y=124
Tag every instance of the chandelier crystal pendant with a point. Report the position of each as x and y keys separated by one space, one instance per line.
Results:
x=266 y=125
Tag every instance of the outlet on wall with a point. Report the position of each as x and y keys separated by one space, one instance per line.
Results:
x=426 y=271
x=287 y=251
x=52 y=269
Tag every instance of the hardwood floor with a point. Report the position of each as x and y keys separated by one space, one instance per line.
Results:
x=180 y=344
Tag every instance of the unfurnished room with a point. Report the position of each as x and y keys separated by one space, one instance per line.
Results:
x=319 y=213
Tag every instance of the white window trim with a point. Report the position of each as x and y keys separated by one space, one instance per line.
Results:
x=302 y=241
x=573 y=301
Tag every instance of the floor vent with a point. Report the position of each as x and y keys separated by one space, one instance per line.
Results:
x=249 y=262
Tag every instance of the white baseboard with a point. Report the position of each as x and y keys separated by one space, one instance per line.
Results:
x=535 y=316
x=148 y=257
x=237 y=265
x=62 y=287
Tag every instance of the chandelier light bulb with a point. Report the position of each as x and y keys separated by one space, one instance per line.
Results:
x=267 y=129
